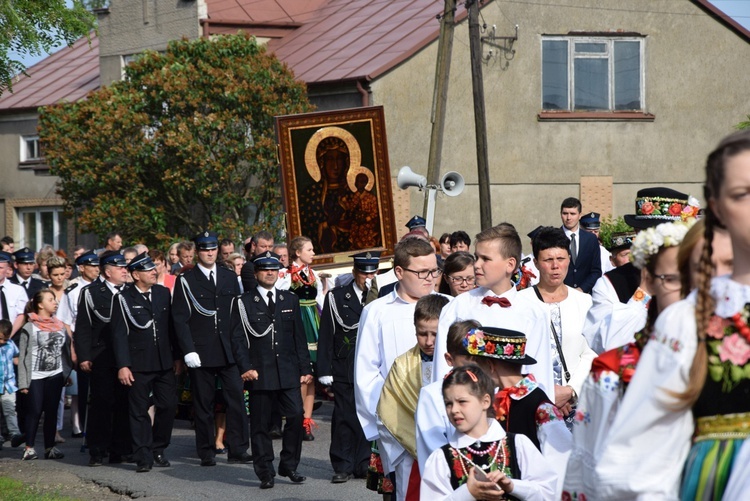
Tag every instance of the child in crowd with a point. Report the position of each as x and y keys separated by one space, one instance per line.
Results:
x=398 y=399
x=481 y=461
x=433 y=426
x=520 y=406
x=8 y=388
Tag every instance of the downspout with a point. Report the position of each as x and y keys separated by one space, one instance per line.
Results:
x=364 y=93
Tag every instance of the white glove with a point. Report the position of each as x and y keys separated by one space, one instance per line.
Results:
x=193 y=360
x=326 y=380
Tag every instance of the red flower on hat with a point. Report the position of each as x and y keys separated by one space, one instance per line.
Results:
x=647 y=208
x=675 y=209
x=489 y=348
x=508 y=349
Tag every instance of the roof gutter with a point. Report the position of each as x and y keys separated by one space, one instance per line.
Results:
x=364 y=93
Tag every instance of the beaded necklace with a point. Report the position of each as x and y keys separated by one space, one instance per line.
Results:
x=500 y=460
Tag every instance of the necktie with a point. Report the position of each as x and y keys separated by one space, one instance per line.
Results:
x=118 y=287
x=573 y=248
x=6 y=316
x=490 y=300
x=271 y=304
x=364 y=297
x=25 y=284
x=147 y=296
x=211 y=277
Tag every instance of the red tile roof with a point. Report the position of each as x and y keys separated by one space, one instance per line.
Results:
x=359 y=39
x=67 y=75
x=263 y=11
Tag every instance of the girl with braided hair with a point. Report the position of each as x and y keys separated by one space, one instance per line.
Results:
x=693 y=378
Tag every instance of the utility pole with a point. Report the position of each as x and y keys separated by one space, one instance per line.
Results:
x=480 y=119
x=440 y=96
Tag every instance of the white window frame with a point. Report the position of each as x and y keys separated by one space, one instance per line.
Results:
x=59 y=241
x=609 y=55
x=26 y=155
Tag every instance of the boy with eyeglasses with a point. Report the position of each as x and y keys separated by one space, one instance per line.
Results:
x=495 y=301
x=386 y=331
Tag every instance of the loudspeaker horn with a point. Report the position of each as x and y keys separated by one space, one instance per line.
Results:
x=407 y=177
x=452 y=183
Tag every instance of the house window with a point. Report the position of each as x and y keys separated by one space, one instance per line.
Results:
x=30 y=149
x=41 y=226
x=592 y=74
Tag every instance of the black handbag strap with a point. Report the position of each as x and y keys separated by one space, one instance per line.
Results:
x=557 y=341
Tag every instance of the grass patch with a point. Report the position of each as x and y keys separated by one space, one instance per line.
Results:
x=13 y=490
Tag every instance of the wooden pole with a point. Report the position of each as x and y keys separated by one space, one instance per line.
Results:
x=480 y=119
x=440 y=95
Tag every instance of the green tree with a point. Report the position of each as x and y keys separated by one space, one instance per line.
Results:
x=185 y=142
x=36 y=27
x=610 y=225
x=745 y=124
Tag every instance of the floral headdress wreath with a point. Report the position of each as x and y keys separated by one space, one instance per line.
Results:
x=648 y=242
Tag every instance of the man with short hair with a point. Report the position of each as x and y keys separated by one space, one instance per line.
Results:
x=8 y=245
x=25 y=264
x=114 y=241
x=386 y=331
x=108 y=429
x=143 y=350
x=261 y=242
x=349 y=451
x=201 y=315
x=226 y=247
x=282 y=251
x=585 y=261
x=269 y=343
x=186 y=254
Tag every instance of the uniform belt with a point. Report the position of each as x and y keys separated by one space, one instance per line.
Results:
x=723 y=426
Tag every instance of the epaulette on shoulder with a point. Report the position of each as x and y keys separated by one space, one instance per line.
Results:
x=71 y=287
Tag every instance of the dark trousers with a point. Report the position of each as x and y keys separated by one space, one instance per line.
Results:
x=350 y=450
x=108 y=424
x=43 y=397
x=290 y=405
x=151 y=439
x=203 y=384
x=83 y=398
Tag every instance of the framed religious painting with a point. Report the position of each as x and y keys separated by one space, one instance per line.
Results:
x=337 y=181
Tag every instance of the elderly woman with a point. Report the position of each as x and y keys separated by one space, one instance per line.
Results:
x=567 y=311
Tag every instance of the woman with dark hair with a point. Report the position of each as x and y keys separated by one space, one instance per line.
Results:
x=43 y=368
x=445 y=245
x=458 y=274
x=693 y=378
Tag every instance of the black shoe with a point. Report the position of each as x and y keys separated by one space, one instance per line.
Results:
x=160 y=461
x=276 y=432
x=317 y=405
x=340 y=478
x=292 y=475
x=221 y=451
x=243 y=458
x=96 y=461
x=143 y=468
x=16 y=440
x=76 y=435
x=266 y=483
x=208 y=462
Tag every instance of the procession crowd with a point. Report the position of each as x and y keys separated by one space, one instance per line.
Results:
x=578 y=372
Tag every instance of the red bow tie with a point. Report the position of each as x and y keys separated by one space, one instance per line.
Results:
x=490 y=300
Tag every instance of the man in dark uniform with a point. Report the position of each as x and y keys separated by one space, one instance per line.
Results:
x=350 y=450
x=270 y=347
x=108 y=430
x=25 y=264
x=201 y=317
x=143 y=353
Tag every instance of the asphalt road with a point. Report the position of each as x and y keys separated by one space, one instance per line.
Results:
x=186 y=479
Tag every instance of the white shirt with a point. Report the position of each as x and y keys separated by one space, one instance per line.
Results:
x=207 y=271
x=523 y=315
x=606 y=261
x=537 y=482
x=16 y=299
x=67 y=312
x=264 y=294
x=433 y=426
x=610 y=323
x=386 y=331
